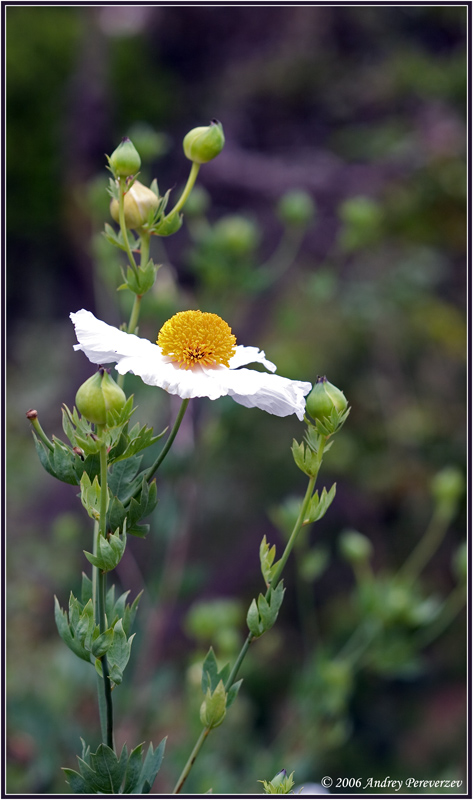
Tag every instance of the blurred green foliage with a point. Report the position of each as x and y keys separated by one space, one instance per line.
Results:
x=362 y=110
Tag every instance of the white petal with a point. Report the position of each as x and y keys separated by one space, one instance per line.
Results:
x=272 y=393
x=103 y=343
x=250 y=355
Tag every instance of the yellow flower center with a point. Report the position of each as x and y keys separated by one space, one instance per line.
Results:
x=196 y=337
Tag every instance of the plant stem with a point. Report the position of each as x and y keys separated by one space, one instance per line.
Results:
x=187 y=189
x=41 y=434
x=426 y=547
x=191 y=760
x=169 y=441
x=100 y=584
x=281 y=564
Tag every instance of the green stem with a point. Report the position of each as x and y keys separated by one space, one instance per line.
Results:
x=191 y=760
x=187 y=189
x=121 y=220
x=451 y=608
x=169 y=441
x=236 y=667
x=41 y=434
x=284 y=255
x=135 y=311
x=426 y=547
x=100 y=584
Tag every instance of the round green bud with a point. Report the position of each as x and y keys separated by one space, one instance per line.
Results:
x=125 y=160
x=296 y=208
x=138 y=202
x=361 y=212
x=354 y=547
x=236 y=235
x=98 y=395
x=447 y=487
x=323 y=398
x=204 y=144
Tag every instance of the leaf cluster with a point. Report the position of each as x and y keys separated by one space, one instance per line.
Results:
x=217 y=698
x=103 y=772
x=263 y=613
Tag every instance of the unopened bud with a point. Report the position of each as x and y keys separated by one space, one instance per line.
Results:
x=125 y=160
x=296 y=208
x=236 y=235
x=213 y=709
x=448 y=486
x=32 y=414
x=323 y=398
x=98 y=395
x=203 y=144
x=355 y=547
x=139 y=202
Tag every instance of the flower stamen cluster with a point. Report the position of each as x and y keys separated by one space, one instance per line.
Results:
x=196 y=337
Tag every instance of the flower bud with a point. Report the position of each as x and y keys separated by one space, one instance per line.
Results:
x=213 y=709
x=355 y=547
x=235 y=235
x=204 y=144
x=98 y=395
x=282 y=783
x=125 y=160
x=324 y=398
x=138 y=202
x=448 y=486
x=296 y=208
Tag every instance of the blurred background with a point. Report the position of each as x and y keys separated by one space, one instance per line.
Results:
x=330 y=232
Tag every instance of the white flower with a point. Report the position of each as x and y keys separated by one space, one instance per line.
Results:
x=196 y=356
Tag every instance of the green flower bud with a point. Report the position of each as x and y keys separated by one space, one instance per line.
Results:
x=125 y=160
x=323 y=398
x=236 y=235
x=282 y=783
x=204 y=144
x=213 y=709
x=448 y=486
x=98 y=395
x=354 y=547
x=139 y=201
x=296 y=208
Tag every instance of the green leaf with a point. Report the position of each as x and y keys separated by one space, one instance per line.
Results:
x=86 y=591
x=64 y=462
x=318 y=507
x=75 y=781
x=109 y=770
x=121 y=474
x=262 y=614
x=211 y=676
x=151 y=768
x=133 y=770
x=305 y=458
x=233 y=691
x=102 y=643
x=109 y=551
x=267 y=556
x=119 y=652
x=90 y=496
x=66 y=634
x=169 y=225
x=139 y=439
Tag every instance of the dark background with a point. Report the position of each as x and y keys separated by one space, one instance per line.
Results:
x=340 y=102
